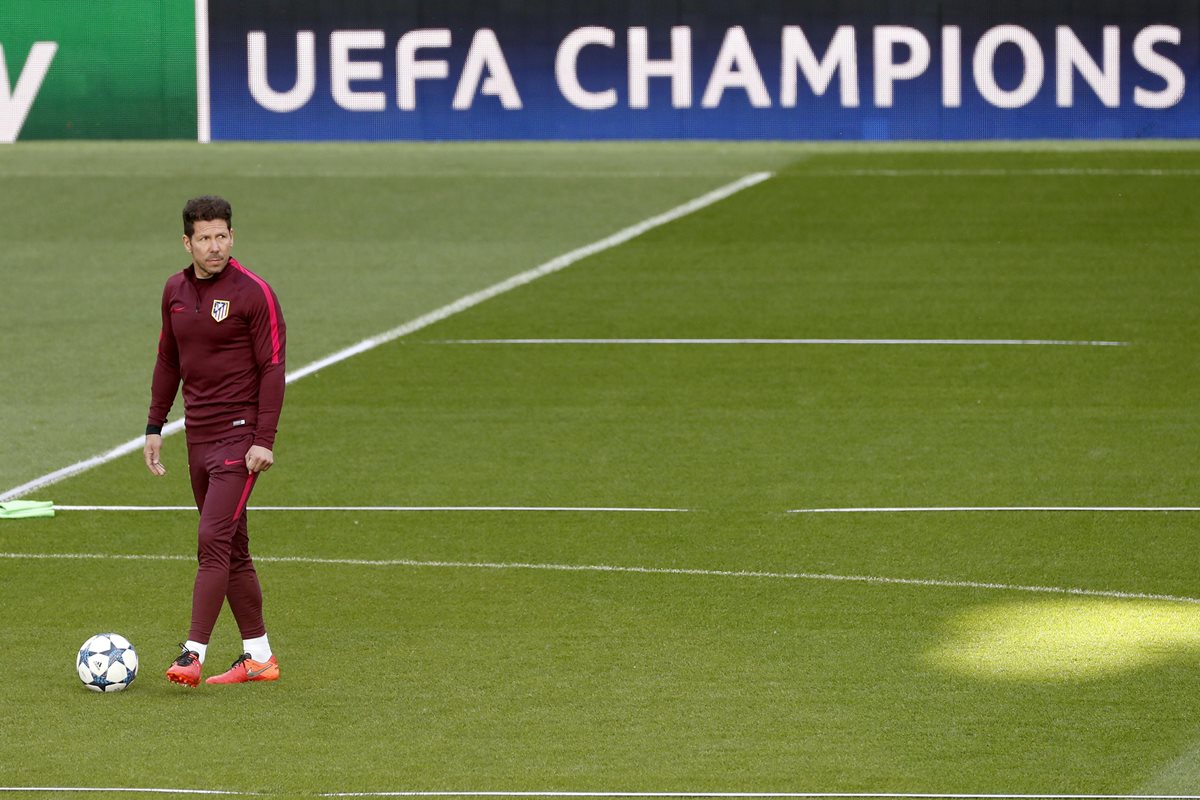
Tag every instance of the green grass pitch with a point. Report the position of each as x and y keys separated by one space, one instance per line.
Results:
x=732 y=647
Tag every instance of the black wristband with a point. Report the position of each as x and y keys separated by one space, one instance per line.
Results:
x=154 y=429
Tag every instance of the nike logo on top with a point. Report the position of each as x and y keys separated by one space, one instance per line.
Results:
x=177 y=309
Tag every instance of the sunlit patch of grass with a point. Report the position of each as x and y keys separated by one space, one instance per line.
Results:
x=1067 y=639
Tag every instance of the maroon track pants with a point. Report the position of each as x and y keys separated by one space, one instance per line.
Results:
x=222 y=485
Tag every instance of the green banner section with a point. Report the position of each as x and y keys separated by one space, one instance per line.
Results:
x=124 y=70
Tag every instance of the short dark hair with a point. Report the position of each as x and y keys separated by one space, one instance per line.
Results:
x=203 y=209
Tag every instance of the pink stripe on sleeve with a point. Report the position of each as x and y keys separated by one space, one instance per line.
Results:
x=274 y=314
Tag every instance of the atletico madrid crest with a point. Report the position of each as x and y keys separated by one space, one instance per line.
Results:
x=220 y=309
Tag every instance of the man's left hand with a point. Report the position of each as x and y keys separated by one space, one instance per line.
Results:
x=259 y=459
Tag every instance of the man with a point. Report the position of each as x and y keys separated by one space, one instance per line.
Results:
x=223 y=336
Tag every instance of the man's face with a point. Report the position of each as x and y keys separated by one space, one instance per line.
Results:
x=209 y=244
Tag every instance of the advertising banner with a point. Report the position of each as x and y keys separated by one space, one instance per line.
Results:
x=73 y=69
x=699 y=69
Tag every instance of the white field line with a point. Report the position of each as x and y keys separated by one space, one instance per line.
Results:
x=425 y=320
x=614 y=569
x=580 y=509
x=947 y=509
x=977 y=342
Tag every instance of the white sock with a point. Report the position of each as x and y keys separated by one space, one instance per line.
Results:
x=197 y=648
x=259 y=649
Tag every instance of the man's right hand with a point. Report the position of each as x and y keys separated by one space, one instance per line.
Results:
x=152 y=451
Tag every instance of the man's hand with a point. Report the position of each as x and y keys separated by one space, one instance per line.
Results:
x=259 y=459
x=152 y=451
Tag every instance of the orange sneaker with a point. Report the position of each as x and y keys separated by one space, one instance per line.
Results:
x=185 y=670
x=247 y=669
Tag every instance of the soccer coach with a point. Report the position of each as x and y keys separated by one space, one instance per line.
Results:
x=223 y=336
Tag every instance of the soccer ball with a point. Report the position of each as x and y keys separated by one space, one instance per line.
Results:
x=107 y=663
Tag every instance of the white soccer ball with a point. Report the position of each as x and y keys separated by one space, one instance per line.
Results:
x=107 y=663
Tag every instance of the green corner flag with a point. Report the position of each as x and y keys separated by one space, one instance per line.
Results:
x=25 y=509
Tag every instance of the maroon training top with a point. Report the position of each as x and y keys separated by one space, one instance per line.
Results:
x=224 y=337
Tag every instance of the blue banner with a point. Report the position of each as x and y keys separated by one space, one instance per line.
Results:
x=696 y=69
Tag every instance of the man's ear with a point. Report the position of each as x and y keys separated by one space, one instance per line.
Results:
x=187 y=243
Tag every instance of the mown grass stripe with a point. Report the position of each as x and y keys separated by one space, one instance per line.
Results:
x=425 y=320
x=616 y=569
x=993 y=509
x=568 y=794
x=579 y=509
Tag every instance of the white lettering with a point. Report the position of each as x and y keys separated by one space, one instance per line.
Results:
x=736 y=68
x=900 y=53
x=951 y=66
x=409 y=70
x=342 y=70
x=984 y=63
x=678 y=67
x=888 y=71
x=485 y=53
x=15 y=102
x=566 y=68
x=839 y=57
x=1163 y=67
x=1069 y=54
x=306 y=73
